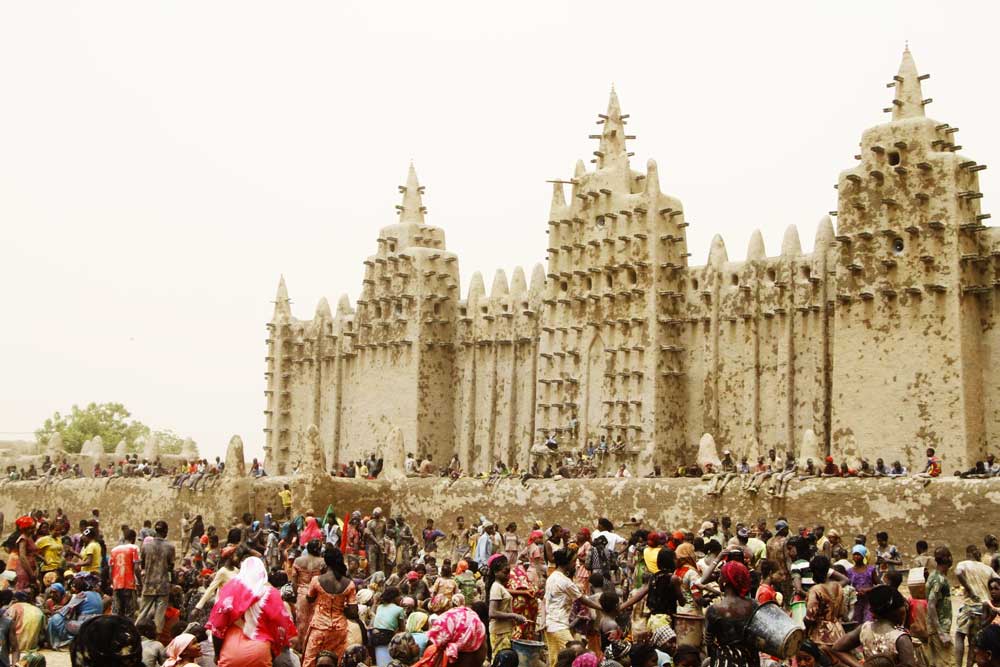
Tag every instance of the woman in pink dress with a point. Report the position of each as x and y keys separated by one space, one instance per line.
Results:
x=249 y=622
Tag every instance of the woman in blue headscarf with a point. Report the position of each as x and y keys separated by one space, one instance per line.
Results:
x=65 y=623
x=863 y=578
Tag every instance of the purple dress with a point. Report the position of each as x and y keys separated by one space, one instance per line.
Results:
x=863 y=579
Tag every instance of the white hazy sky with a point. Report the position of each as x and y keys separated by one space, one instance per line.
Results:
x=162 y=163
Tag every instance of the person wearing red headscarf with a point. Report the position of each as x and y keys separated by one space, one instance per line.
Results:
x=27 y=554
x=536 y=554
x=725 y=639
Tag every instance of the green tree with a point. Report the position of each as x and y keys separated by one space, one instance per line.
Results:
x=112 y=421
x=170 y=442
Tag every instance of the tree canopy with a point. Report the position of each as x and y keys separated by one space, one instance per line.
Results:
x=112 y=421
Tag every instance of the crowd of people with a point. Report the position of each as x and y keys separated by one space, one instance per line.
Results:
x=299 y=589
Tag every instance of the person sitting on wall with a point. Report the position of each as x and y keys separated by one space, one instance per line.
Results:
x=808 y=471
x=865 y=469
x=427 y=467
x=760 y=472
x=725 y=475
x=992 y=465
x=897 y=470
x=830 y=469
x=932 y=469
x=977 y=471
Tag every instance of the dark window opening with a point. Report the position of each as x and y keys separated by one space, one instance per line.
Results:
x=898 y=246
x=893 y=158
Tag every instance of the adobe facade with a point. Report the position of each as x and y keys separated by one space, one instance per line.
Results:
x=879 y=343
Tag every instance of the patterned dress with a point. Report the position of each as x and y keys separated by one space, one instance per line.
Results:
x=824 y=609
x=878 y=642
x=327 y=629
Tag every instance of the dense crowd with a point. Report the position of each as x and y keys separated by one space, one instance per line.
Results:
x=302 y=589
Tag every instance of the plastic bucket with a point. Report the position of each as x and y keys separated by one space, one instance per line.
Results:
x=799 y=612
x=774 y=631
x=529 y=653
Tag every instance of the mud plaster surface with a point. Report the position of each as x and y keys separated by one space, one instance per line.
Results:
x=949 y=511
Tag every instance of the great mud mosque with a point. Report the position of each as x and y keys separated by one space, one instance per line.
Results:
x=878 y=344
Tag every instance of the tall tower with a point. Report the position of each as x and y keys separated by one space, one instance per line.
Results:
x=404 y=329
x=907 y=332
x=609 y=350
x=277 y=438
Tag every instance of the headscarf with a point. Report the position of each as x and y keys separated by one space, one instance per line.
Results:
x=685 y=555
x=536 y=535
x=416 y=622
x=365 y=595
x=458 y=630
x=404 y=648
x=585 y=532
x=310 y=532
x=248 y=596
x=176 y=647
x=618 y=650
x=457 y=600
x=860 y=549
x=519 y=580
x=585 y=660
x=736 y=575
x=493 y=558
x=662 y=636
x=462 y=566
x=24 y=522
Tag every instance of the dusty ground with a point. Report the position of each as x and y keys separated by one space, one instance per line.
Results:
x=56 y=658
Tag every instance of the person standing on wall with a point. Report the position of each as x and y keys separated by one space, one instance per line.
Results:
x=286 y=500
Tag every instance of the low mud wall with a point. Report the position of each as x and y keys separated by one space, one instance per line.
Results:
x=947 y=511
